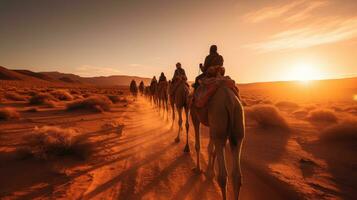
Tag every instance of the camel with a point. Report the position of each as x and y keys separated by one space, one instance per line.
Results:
x=162 y=95
x=153 y=89
x=133 y=88
x=225 y=117
x=180 y=100
x=141 y=87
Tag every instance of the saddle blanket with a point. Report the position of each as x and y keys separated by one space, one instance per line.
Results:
x=209 y=86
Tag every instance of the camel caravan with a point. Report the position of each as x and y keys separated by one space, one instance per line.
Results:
x=214 y=102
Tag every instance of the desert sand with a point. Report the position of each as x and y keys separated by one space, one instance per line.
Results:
x=299 y=144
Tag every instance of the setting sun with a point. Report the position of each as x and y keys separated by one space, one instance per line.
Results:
x=304 y=72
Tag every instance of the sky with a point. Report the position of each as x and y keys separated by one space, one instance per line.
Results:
x=263 y=40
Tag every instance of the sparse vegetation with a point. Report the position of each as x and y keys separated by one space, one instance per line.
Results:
x=345 y=131
x=49 y=141
x=267 y=116
x=42 y=99
x=14 y=96
x=8 y=113
x=287 y=105
x=94 y=103
x=62 y=95
x=114 y=98
x=322 y=116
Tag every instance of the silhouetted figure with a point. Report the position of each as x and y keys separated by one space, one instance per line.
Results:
x=141 y=87
x=162 y=77
x=179 y=76
x=133 y=88
x=213 y=60
x=199 y=77
x=179 y=73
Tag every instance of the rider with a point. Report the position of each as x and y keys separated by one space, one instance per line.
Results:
x=212 y=60
x=199 y=77
x=153 y=80
x=179 y=73
x=162 y=77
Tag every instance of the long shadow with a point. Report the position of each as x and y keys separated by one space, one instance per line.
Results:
x=152 y=157
x=162 y=176
x=340 y=165
x=60 y=182
x=187 y=187
x=137 y=145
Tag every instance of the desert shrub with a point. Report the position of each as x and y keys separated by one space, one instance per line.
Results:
x=14 y=96
x=62 y=95
x=42 y=99
x=50 y=141
x=114 y=98
x=96 y=103
x=8 y=113
x=345 y=131
x=287 y=105
x=267 y=116
x=322 y=116
x=300 y=114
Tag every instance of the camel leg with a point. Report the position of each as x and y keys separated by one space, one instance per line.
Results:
x=196 y=126
x=222 y=174
x=179 y=110
x=173 y=113
x=187 y=147
x=236 y=170
x=211 y=159
x=167 y=109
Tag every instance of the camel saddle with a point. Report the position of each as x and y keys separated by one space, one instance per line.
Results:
x=209 y=86
x=175 y=85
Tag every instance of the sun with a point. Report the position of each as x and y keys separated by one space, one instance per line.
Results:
x=303 y=72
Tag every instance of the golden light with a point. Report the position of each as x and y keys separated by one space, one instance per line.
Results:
x=304 y=72
x=355 y=97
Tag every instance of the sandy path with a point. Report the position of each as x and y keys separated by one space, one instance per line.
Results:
x=148 y=165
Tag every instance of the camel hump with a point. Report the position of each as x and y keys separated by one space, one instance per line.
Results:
x=209 y=87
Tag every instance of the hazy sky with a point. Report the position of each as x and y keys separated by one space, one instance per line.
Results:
x=260 y=40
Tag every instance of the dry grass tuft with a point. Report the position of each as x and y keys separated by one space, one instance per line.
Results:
x=95 y=103
x=322 y=116
x=8 y=113
x=62 y=95
x=345 y=131
x=49 y=142
x=42 y=99
x=287 y=105
x=114 y=98
x=14 y=96
x=267 y=116
x=300 y=114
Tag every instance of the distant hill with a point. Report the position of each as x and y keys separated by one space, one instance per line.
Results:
x=6 y=74
x=34 y=74
x=27 y=77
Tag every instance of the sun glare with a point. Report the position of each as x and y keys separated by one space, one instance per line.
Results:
x=303 y=72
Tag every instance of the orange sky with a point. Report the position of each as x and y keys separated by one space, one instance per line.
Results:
x=260 y=41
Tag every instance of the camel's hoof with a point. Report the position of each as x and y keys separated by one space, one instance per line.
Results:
x=187 y=149
x=197 y=170
x=177 y=140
